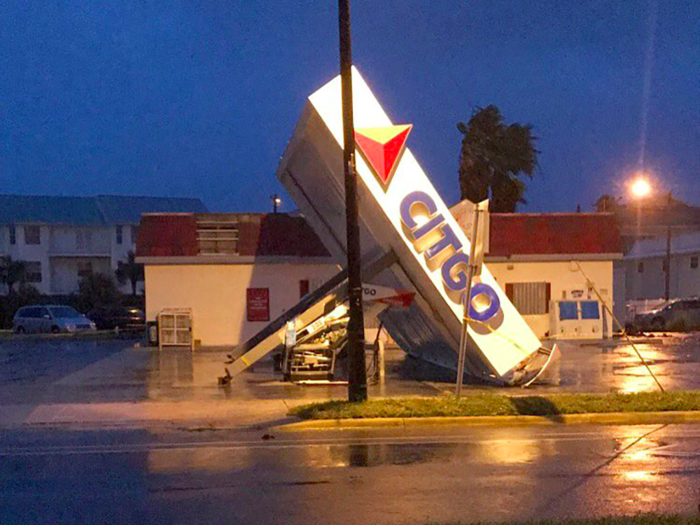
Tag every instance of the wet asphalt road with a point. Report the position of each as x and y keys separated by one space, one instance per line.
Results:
x=383 y=477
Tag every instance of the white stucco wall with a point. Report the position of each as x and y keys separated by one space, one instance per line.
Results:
x=64 y=272
x=79 y=240
x=651 y=282
x=564 y=277
x=217 y=294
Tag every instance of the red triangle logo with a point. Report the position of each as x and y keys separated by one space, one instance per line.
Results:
x=382 y=149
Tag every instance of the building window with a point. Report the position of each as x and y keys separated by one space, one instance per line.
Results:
x=693 y=262
x=640 y=267
x=32 y=272
x=32 y=235
x=13 y=234
x=530 y=298
x=120 y=235
x=303 y=288
x=84 y=269
x=218 y=236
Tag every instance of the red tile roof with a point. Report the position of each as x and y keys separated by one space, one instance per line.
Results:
x=278 y=234
x=167 y=235
x=281 y=235
x=553 y=233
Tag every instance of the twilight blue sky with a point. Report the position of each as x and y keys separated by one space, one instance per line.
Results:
x=198 y=97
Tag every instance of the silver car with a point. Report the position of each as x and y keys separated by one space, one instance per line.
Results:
x=50 y=319
x=678 y=314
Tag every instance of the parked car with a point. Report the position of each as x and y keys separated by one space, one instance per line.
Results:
x=121 y=317
x=50 y=319
x=675 y=314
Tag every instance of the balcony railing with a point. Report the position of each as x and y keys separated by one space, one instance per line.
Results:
x=68 y=251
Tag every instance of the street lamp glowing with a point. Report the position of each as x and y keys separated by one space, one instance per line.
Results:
x=276 y=202
x=640 y=188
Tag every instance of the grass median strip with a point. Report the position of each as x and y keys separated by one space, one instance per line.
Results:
x=501 y=405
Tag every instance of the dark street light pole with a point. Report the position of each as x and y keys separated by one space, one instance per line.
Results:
x=357 y=376
x=276 y=201
x=667 y=283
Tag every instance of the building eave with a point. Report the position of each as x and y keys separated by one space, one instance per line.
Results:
x=554 y=257
x=230 y=260
x=656 y=255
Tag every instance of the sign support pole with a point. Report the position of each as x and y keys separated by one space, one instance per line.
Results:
x=357 y=374
x=464 y=339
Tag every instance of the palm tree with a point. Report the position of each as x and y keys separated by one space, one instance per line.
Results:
x=12 y=272
x=607 y=203
x=494 y=156
x=130 y=271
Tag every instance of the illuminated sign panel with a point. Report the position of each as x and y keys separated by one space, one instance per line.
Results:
x=455 y=267
x=400 y=210
x=382 y=149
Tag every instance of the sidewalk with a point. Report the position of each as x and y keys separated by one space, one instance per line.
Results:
x=143 y=414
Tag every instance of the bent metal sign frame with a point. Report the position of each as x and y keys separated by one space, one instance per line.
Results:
x=402 y=210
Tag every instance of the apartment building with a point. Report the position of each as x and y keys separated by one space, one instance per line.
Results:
x=646 y=267
x=62 y=239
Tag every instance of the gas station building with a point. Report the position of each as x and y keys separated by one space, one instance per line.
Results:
x=237 y=272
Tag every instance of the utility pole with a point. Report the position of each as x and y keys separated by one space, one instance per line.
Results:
x=667 y=294
x=357 y=374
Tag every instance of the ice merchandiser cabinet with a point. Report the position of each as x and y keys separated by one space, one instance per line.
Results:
x=401 y=211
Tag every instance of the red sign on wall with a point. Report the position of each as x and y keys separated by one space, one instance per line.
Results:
x=258 y=304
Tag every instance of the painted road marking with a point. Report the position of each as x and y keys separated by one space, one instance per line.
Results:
x=308 y=443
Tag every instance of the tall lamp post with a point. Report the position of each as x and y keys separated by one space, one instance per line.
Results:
x=357 y=375
x=276 y=202
x=640 y=189
x=667 y=282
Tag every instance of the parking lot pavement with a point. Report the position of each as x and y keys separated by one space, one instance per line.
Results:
x=116 y=381
x=594 y=367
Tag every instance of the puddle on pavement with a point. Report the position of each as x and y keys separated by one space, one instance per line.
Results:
x=500 y=449
x=322 y=456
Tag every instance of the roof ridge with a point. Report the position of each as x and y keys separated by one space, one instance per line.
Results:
x=555 y=214
x=96 y=210
x=121 y=196
x=33 y=196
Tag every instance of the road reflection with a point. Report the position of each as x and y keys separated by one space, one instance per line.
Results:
x=501 y=449
x=638 y=461
x=638 y=475
x=217 y=459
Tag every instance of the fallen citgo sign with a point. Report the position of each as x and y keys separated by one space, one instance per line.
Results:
x=401 y=212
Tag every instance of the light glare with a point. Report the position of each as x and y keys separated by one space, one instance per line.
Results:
x=641 y=188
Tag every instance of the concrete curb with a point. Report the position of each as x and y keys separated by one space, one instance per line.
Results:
x=613 y=418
